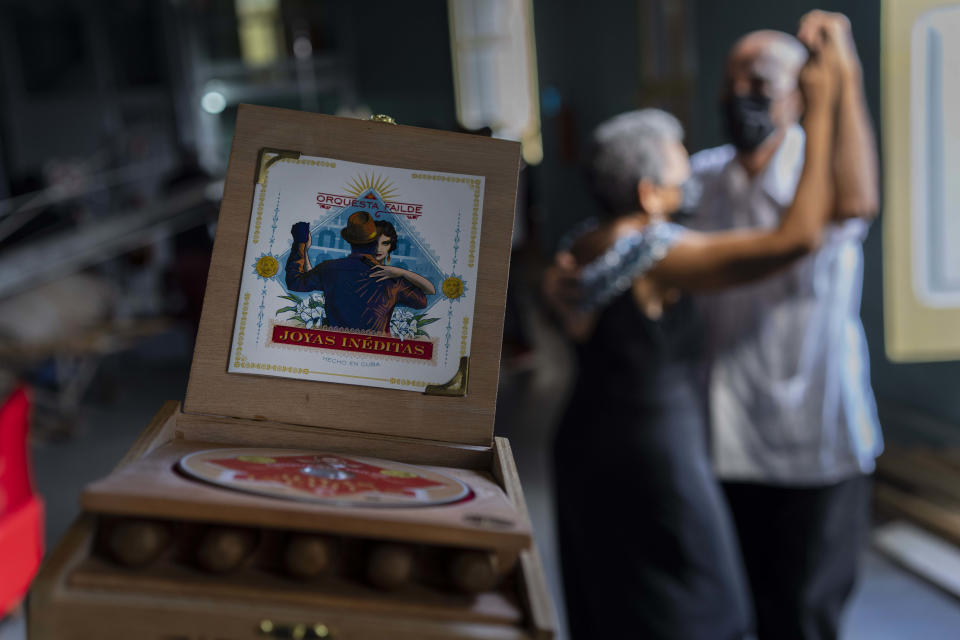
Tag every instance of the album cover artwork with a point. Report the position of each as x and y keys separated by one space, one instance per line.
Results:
x=358 y=274
x=330 y=478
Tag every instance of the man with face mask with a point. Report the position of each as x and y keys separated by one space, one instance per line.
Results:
x=793 y=418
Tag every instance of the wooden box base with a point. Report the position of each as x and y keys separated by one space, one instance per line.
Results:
x=78 y=595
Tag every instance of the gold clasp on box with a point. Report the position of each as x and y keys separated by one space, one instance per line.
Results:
x=264 y=162
x=456 y=386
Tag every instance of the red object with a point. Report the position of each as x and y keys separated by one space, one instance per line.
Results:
x=21 y=510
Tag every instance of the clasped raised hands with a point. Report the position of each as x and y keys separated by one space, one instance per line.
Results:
x=820 y=77
x=300 y=232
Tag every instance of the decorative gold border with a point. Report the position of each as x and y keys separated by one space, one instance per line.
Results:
x=312 y=163
x=238 y=356
x=472 y=256
x=263 y=366
x=463 y=336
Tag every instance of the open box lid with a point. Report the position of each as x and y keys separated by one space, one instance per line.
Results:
x=390 y=329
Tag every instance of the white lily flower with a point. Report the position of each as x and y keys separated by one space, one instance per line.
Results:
x=402 y=324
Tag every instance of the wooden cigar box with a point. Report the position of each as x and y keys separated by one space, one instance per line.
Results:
x=332 y=471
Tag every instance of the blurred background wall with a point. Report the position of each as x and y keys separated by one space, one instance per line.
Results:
x=131 y=89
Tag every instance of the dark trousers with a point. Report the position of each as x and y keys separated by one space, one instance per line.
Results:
x=800 y=548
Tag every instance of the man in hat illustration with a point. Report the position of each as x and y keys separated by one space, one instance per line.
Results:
x=359 y=295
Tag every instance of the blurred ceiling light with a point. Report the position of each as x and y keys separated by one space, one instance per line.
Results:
x=302 y=48
x=213 y=102
x=495 y=70
x=259 y=29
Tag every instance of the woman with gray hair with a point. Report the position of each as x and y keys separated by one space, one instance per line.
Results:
x=646 y=542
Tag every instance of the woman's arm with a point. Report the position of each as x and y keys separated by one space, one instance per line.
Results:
x=703 y=261
x=384 y=272
x=855 y=151
x=419 y=282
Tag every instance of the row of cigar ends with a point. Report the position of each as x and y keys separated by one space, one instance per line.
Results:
x=306 y=557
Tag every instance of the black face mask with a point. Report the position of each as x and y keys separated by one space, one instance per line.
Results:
x=748 y=121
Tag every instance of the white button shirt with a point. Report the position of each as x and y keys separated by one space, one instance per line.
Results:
x=790 y=396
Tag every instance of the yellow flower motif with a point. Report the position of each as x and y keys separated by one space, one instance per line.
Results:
x=267 y=266
x=452 y=287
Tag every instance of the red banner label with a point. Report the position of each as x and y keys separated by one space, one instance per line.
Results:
x=379 y=345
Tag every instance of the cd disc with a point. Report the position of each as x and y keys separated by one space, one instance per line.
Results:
x=331 y=478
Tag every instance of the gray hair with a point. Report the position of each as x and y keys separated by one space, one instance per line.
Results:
x=629 y=148
x=778 y=58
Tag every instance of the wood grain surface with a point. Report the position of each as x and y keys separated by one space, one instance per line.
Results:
x=265 y=433
x=469 y=419
x=346 y=595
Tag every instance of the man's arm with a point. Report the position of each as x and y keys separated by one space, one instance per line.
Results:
x=300 y=277
x=855 y=157
x=410 y=296
x=855 y=171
